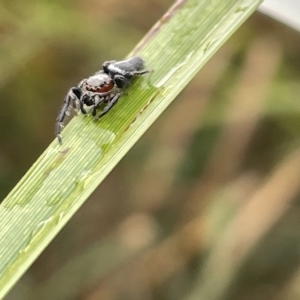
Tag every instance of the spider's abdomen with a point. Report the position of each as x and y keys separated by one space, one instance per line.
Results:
x=99 y=83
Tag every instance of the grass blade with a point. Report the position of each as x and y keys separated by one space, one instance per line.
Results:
x=64 y=177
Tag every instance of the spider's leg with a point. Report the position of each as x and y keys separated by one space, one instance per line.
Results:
x=121 y=81
x=110 y=104
x=76 y=105
x=106 y=65
x=98 y=101
x=81 y=105
x=70 y=98
x=138 y=73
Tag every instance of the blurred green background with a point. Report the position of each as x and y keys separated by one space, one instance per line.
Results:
x=206 y=205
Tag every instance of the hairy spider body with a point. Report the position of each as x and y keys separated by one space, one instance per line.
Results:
x=105 y=86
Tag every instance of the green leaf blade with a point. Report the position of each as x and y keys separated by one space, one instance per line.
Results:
x=64 y=176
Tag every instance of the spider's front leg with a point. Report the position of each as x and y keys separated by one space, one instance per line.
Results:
x=121 y=81
x=97 y=101
x=72 y=97
x=106 y=65
x=110 y=104
x=137 y=73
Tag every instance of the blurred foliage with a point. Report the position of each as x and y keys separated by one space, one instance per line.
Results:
x=206 y=205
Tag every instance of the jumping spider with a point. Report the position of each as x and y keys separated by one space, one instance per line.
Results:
x=105 y=86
